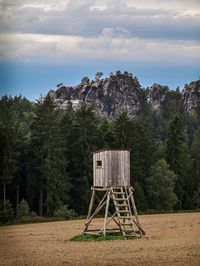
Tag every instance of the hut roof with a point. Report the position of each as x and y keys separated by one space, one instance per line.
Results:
x=110 y=150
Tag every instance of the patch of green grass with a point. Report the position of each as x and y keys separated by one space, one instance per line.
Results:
x=90 y=238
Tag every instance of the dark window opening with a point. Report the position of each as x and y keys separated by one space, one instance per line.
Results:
x=99 y=163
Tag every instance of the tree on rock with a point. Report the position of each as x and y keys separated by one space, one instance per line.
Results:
x=98 y=76
x=85 y=81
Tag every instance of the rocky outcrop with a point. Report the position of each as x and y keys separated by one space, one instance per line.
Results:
x=190 y=98
x=123 y=92
x=156 y=96
x=109 y=96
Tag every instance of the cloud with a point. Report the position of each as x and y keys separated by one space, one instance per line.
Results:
x=116 y=32
x=87 y=30
x=106 y=47
x=145 y=19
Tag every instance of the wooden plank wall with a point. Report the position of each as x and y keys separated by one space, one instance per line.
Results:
x=115 y=169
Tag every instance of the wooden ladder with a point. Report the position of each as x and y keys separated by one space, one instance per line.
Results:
x=128 y=225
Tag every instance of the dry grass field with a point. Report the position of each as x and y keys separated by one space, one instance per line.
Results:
x=171 y=239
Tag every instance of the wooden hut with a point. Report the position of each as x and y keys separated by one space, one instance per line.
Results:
x=111 y=168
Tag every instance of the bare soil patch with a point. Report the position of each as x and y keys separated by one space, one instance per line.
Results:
x=171 y=239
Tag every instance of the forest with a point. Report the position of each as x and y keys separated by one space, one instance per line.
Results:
x=46 y=157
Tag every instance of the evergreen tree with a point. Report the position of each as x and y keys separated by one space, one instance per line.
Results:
x=123 y=130
x=86 y=139
x=196 y=198
x=170 y=105
x=193 y=181
x=23 y=111
x=66 y=126
x=140 y=197
x=8 y=139
x=191 y=123
x=176 y=156
x=47 y=172
x=160 y=187
x=143 y=155
x=85 y=81
x=106 y=133
x=6 y=211
x=98 y=76
x=136 y=135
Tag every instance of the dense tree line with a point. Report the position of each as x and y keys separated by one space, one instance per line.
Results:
x=46 y=161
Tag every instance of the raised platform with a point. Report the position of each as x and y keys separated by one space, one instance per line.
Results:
x=120 y=208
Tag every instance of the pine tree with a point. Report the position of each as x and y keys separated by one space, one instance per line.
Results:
x=6 y=211
x=191 y=124
x=160 y=187
x=122 y=130
x=47 y=170
x=86 y=139
x=98 y=76
x=176 y=156
x=193 y=181
x=23 y=111
x=195 y=155
x=136 y=135
x=106 y=133
x=66 y=126
x=8 y=139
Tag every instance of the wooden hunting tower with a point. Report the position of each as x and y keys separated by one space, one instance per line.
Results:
x=111 y=179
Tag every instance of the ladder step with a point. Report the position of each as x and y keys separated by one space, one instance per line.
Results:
x=129 y=235
x=123 y=211
x=126 y=224
x=124 y=217
x=118 y=193
x=128 y=230
x=122 y=205
x=120 y=199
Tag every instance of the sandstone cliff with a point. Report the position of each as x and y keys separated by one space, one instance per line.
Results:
x=124 y=92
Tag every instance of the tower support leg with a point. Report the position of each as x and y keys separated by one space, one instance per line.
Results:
x=106 y=213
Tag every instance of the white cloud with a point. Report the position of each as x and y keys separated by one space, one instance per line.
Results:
x=35 y=47
x=126 y=30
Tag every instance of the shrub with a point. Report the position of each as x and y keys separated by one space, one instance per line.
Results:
x=64 y=213
x=33 y=215
x=23 y=210
x=6 y=212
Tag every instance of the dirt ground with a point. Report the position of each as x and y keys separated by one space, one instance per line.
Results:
x=171 y=239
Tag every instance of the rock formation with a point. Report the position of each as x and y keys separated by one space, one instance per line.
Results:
x=123 y=92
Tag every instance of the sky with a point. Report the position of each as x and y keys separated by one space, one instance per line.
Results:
x=47 y=42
